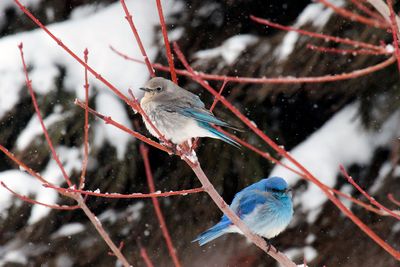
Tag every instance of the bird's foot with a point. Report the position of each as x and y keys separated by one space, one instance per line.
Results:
x=269 y=245
x=170 y=146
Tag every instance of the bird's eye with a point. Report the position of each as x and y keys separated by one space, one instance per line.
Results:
x=158 y=89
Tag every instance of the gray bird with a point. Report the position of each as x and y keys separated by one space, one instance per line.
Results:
x=178 y=114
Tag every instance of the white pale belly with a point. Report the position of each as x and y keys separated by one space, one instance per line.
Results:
x=175 y=127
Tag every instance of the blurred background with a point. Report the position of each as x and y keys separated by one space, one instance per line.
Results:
x=352 y=122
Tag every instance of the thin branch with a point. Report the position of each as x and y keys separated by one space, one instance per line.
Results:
x=391 y=198
x=395 y=32
x=145 y=257
x=35 y=105
x=170 y=56
x=383 y=9
x=85 y=127
x=144 y=151
x=317 y=35
x=277 y=80
x=124 y=196
x=360 y=5
x=285 y=154
x=33 y=201
x=109 y=120
x=347 y=51
x=371 y=199
x=219 y=93
x=355 y=17
x=23 y=165
x=128 y=17
x=97 y=224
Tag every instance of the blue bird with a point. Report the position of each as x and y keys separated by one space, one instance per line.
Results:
x=265 y=207
x=178 y=114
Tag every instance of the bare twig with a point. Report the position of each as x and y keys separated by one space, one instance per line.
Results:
x=144 y=151
x=370 y=199
x=276 y=80
x=124 y=196
x=170 y=56
x=33 y=201
x=356 y=17
x=85 y=127
x=37 y=110
x=146 y=59
x=317 y=35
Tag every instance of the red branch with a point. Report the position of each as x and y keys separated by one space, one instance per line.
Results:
x=285 y=154
x=391 y=198
x=24 y=166
x=317 y=35
x=85 y=127
x=128 y=17
x=278 y=80
x=46 y=134
x=170 y=56
x=32 y=201
x=219 y=93
x=355 y=17
x=395 y=32
x=133 y=195
x=109 y=120
x=145 y=257
x=371 y=199
x=347 y=51
x=360 y=5
x=144 y=151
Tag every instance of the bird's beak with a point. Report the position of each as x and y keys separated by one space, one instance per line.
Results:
x=288 y=190
x=145 y=89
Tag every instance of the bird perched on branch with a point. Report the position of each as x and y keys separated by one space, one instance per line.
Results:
x=265 y=207
x=178 y=114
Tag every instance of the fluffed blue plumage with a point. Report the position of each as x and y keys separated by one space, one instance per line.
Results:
x=265 y=207
x=178 y=114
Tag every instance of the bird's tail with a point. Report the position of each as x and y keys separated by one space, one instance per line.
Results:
x=212 y=233
x=220 y=135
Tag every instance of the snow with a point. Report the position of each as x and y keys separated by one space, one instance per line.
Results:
x=341 y=140
x=33 y=129
x=19 y=182
x=230 y=49
x=69 y=229
x=307 y=252
x=287 y=46
x=24 y=184
x=109 y=105
x=70 y=157
x=315 y=13
x=14 y=256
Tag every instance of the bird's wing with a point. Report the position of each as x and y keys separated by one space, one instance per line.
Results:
x=250 y=200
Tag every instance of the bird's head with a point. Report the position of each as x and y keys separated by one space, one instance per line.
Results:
x=157 y=86
x=277 y=186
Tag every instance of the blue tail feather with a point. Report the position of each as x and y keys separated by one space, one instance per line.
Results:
x=212 y=233
x=220 y=135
